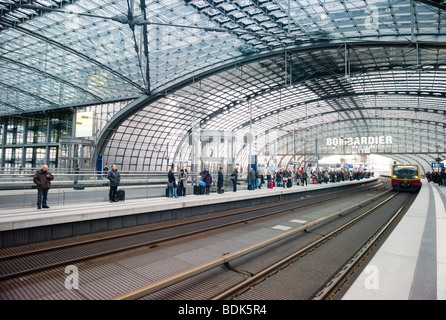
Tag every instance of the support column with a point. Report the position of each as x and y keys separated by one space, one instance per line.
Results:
x=3 y=142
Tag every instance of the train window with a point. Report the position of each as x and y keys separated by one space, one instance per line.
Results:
x=405 y=172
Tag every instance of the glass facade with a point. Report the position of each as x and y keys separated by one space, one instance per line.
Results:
x=33 y=140
x=75 y=151
x=302 y=78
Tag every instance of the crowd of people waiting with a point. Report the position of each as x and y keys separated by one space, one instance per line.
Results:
x=438 y=177
x=285 y=178
x=258 y=179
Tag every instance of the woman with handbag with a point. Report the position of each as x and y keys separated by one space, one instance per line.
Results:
x=172 y=184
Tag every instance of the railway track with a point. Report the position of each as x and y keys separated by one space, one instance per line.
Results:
x=226 y=264
x=196 y=277
x=21 y=261
x=329 y=286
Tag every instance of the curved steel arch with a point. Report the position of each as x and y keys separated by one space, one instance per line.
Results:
x=328 y=98
x=208 y=118
x=278 y=53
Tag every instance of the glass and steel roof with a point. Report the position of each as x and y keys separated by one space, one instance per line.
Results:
x=281 y=70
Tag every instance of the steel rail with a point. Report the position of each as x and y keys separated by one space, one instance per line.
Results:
x=292 y=257
x=153 y=242
x=227 y=258
x=332 y=285
x=164 y=225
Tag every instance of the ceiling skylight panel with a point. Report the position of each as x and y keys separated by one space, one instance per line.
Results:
x=227 y=6
x=211 y=12
x=221 y=19
x=11 y=18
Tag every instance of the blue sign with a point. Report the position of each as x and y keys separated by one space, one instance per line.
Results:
x=437 y=165
x=99 y=165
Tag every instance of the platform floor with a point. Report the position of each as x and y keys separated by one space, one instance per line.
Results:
x=411 y=264
x=28 y=217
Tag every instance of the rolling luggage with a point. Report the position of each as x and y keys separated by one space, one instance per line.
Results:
x=271 y=184
x=78 y=187
x=199 y=190
x=120 y=195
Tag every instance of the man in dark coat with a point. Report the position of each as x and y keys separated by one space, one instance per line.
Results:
x=220 y=180
x=76 y=174
x=115 y=178
x=234 y=178
x=43 y=179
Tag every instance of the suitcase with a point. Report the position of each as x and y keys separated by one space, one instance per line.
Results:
x=199 y=190
x=289 y=184
x=78 y=187
x=120 y=195
x=249 y=186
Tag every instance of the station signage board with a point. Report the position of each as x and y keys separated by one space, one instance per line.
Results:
x=360 y=141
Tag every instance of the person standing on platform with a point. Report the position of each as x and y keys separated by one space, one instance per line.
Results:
x=268 y=177
x=234 y=178
x=172 y=184
x=115 y=178
x=182 y=183
x=220 y=180
x=105 y=172
x=207 y=178
x=43 y=179
x=252 y=179
x=304 y=178
x=279 y=178
x=76 y=174
x=443 y=177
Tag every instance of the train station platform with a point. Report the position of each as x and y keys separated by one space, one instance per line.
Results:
x=411 y=264
x=29 y=224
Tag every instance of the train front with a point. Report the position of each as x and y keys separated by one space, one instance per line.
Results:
x=406 y=177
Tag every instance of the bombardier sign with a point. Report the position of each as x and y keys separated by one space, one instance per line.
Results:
x=360 y=141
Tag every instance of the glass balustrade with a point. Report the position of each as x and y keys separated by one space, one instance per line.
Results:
x=17 y=189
